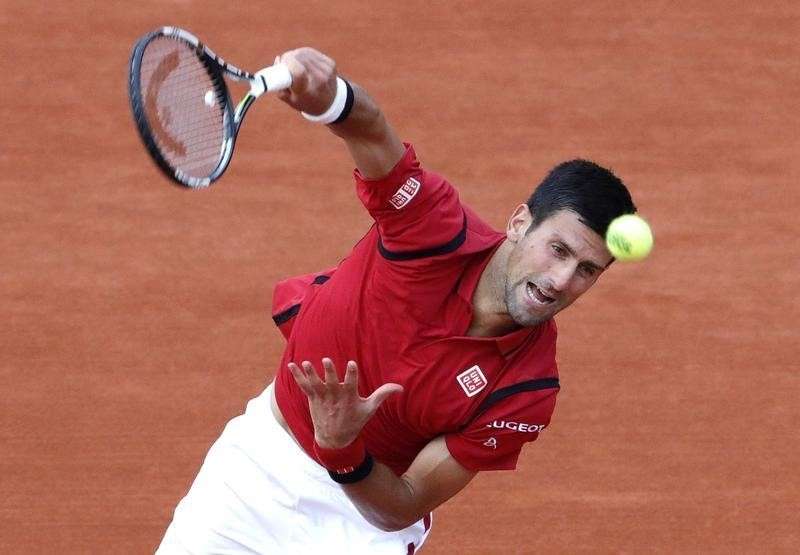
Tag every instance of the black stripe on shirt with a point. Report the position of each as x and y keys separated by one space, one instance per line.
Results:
x=531 y=385
x=286 y=315
x=446 y=248
x=291 y=312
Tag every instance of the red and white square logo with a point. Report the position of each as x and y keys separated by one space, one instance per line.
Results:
x=405 y=193
x=472 y=380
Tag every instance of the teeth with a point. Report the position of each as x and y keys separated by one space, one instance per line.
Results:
x=536 y=294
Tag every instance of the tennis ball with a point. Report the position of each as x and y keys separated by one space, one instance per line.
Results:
x=629 y=238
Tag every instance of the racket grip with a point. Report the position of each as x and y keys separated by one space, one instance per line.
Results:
x=270 y=79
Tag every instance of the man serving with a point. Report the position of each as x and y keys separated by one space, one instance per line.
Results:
x=426 y=356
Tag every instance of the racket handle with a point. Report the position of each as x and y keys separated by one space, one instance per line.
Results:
x=270 y=79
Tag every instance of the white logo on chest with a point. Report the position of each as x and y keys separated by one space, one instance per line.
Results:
x=472 y=380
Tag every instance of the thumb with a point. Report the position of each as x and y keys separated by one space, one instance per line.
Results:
x=299 y=79
x=381 y=394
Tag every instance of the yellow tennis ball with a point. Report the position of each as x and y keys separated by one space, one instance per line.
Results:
x=629 y=238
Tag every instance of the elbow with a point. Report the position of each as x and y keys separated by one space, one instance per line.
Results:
x=394 y=520
x=402 y=510
x=391 y=524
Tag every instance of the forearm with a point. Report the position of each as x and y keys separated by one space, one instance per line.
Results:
x=393 y=503
x=385 y=500
x=372 y=142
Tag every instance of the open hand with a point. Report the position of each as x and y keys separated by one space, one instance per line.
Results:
x=337 y=410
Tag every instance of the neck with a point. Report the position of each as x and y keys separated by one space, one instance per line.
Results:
x=490 y=316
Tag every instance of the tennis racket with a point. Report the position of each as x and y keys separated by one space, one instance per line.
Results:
x=182 y=106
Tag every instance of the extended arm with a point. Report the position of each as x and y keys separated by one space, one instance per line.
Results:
x=372 y=142
x=384 y=499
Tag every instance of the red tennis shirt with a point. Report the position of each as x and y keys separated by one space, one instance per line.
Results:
x=400 y=305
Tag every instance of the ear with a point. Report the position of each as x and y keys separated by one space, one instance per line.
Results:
x=518 y=223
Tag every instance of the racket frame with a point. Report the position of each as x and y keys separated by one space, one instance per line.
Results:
x=218 y=69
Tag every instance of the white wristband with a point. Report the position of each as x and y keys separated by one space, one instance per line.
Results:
x=336 y=108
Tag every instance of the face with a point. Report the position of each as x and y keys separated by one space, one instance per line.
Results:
x=550 y=266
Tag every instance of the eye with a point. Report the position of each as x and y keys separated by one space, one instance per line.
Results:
x=587 y=271
x=558 y=250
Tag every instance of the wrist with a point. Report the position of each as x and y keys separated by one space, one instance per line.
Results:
x=340 y=106
x=341 y=459
x=348 y=464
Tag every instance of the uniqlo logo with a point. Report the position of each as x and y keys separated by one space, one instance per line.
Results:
x=405 y=193
x=472 y=380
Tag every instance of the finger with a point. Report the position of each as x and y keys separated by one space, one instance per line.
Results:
x=318 y=55
x=319 y=70
x=331 y=377
x=314 y=380
x=379 y=395
x=297 y=372
x=351 y=375
x=300 y=379
x=320 y=65
x=314 y=56
x=297 y=69
x=311 y=373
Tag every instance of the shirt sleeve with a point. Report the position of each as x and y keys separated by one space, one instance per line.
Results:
x=288 y=296
x=418 y=213
x=494 y=440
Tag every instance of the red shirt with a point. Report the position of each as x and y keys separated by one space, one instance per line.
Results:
x=400 y=306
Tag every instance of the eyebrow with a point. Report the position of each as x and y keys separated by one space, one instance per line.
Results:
x=584 y=262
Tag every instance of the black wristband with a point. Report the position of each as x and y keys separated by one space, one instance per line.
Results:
x=357 y=474
x=348 y=103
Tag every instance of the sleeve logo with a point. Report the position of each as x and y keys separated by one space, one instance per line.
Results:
x=405 y=193
x=472 y=380
x=516 y=426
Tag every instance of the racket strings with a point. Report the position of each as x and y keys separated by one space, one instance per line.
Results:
x=184 y=105
x=177 y=108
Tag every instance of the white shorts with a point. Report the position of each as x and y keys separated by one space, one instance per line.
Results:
x=258 y=492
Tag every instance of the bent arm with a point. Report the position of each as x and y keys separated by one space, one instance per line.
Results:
x=339 y=414
x=373 y=144
x=392 y=503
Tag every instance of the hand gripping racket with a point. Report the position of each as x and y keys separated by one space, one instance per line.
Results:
x=182 y=106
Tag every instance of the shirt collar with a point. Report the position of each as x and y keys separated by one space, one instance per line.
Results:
x=509 y=342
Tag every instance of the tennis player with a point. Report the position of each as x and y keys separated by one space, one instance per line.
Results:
x=426 y=356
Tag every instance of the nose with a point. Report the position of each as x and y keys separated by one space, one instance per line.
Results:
x=561 y=275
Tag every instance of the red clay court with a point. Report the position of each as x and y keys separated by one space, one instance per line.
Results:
x=136 y=315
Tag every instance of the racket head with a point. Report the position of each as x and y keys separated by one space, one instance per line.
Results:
x=182 y=106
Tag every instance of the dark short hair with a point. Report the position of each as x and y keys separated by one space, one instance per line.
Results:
x=592 y=191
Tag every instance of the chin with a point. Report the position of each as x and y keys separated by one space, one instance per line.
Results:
x=524 y=317
x=528 y=320
x=520 y=311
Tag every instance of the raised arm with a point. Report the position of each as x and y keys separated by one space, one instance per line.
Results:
x=372 y=142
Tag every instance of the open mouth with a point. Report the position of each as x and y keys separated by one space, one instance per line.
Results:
x=536 y=295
